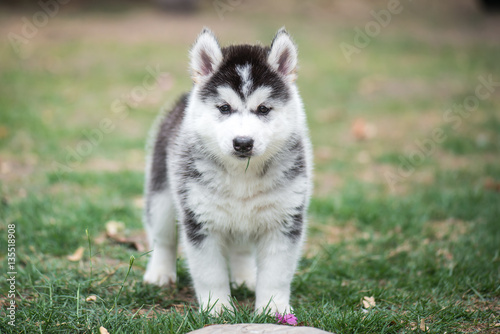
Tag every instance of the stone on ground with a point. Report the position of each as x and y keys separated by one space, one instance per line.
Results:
x=257 y=329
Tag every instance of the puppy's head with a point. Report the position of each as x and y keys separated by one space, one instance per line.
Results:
x=244 y=102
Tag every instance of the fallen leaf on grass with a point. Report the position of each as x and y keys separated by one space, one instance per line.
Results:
x=423 y=327
x=368 y=302
x=103 y=330
x=114 y=231
x=77 y=255
x=114 y=227
x=91 y=298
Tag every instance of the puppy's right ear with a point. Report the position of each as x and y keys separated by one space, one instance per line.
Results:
x=206 y=56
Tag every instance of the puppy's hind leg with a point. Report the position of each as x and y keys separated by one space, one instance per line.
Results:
x=160 y=223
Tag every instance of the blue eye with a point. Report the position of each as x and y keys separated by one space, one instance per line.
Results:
x=224 y=109
x=263 y=110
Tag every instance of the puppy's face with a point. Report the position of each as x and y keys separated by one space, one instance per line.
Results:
x=243 y=103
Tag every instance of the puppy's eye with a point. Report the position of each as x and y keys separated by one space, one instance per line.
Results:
x=224 y=109
x=263 y=110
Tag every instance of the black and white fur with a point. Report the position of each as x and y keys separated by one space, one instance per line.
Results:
x=237 y=224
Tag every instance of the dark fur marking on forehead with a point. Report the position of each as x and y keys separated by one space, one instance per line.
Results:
x=261 y=73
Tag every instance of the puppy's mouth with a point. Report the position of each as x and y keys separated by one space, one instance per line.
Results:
x=244 y=155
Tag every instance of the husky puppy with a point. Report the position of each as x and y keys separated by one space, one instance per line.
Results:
x=232 y=163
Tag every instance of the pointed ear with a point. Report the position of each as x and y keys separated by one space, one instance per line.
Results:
x=283 y=55
x=205 y=55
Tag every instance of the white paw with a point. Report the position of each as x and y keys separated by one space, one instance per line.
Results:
x=159 y=276
x=272 y=308
x=217 y=309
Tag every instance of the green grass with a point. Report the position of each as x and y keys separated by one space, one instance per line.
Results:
x=426 y=248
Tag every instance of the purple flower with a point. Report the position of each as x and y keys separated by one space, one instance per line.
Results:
x=289 y=319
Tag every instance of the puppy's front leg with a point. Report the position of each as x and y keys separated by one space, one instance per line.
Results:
x=277 y=259
x=209 y=272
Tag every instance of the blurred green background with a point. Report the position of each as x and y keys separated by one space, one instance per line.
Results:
x=402 y=99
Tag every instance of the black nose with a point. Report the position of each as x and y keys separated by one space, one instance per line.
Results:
x=243 y=144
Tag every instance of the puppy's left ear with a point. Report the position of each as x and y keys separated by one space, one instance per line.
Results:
x=283 y=55
x=206 y=56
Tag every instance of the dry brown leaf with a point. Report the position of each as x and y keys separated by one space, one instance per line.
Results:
x=77 y=255
x=368 y=302
x=103 y=330
x=114 y=227
x=115 y=232
x=423 y=327
x=132 y=242
x=91 y=298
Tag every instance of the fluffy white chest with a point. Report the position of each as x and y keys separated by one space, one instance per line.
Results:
x=243 y=204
